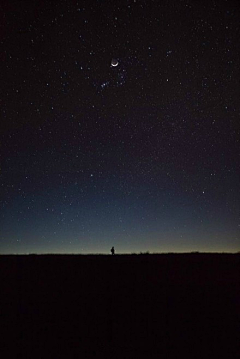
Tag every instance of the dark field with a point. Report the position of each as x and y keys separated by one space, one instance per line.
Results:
x=122 y=306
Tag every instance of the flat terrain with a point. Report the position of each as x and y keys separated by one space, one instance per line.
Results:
x=128 y=306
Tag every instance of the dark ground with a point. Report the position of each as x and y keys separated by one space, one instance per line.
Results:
x=122 y=306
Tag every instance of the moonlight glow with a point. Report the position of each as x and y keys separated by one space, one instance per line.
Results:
x=114 y=63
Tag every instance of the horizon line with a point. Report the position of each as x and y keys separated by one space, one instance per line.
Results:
x=116 y=254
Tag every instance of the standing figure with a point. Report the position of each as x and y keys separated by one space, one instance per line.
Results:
x=112 y=250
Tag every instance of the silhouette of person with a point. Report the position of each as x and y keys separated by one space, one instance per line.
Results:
x=112 y=250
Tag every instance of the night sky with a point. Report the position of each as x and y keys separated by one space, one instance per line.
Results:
x=120 y=126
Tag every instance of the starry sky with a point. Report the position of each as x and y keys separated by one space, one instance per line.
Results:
x=143 y=155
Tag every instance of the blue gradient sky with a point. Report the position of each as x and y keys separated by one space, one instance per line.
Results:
x=143 y=156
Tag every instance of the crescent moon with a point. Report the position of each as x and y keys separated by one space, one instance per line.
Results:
x=114 y=63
